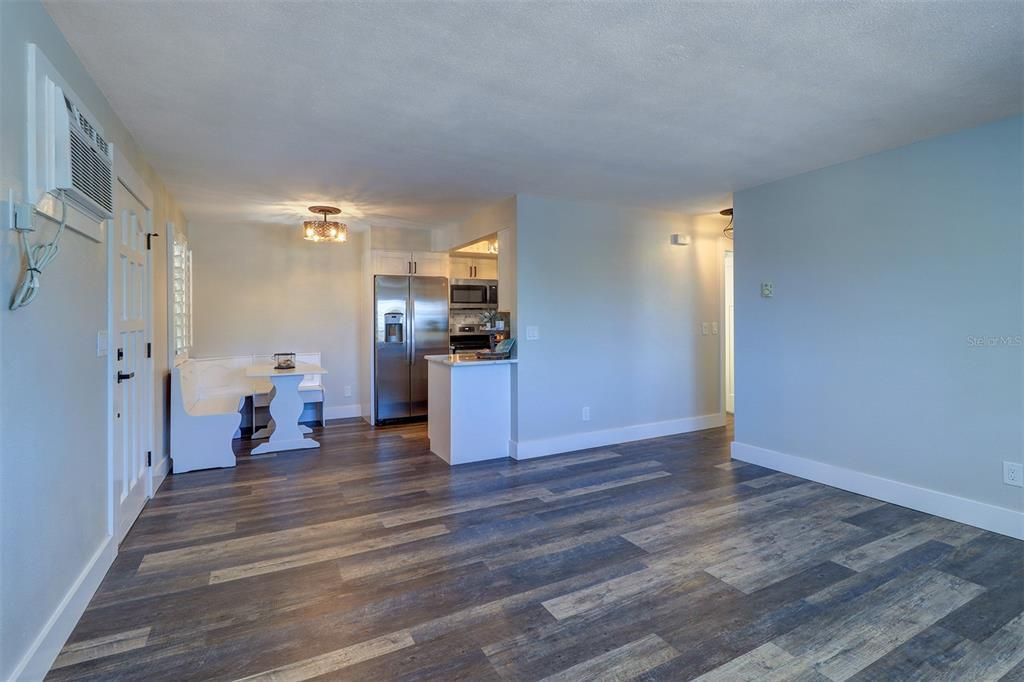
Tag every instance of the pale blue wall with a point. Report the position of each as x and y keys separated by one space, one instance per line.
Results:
x=619 y=310
x=883 y=267
x=54 y=470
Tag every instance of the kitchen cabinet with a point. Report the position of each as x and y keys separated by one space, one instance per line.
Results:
x=474 y=268
x=426 y=263
x=430 y=263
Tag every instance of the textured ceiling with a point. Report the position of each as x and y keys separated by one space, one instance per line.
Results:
x=414 y=113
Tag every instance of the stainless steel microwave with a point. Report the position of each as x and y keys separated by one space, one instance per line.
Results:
x=474 y=293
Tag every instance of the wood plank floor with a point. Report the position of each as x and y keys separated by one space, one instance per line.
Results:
x=654 y=560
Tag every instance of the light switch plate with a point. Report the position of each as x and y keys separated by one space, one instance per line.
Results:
x=714 y=328
x=705 y=328
x=532 y=333
x=102 y=343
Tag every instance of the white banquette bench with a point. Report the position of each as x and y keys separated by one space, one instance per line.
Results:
x=207 y=395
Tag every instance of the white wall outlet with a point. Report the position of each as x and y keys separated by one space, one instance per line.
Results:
x=532 y=333
x=1013 y=474
x=16 y=215
x=586 y=414
x=705 y=328
x=348 y=391
x=767 y=289
x=714 y=328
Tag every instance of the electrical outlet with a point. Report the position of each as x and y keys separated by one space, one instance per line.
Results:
x=714 y=328
x=1013 y=474
x=767 y=289
x=16 y=215
x=705 y=328
x=586 y=414
x=348 y=391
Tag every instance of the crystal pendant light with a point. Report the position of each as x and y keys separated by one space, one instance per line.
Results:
x=322 y=229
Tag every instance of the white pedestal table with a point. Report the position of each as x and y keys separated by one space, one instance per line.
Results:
x=285 y=407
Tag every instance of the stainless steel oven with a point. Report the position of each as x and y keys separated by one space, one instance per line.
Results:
x=474 y=293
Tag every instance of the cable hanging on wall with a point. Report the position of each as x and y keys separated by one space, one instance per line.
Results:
x=36 y=259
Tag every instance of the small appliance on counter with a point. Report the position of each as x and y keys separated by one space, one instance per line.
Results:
x=284 y=361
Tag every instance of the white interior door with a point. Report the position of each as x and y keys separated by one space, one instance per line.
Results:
x=730 y=367
x=130 y=313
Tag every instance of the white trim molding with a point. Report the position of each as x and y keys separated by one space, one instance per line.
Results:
x=36 y=662
x=159 y=473
x=979 y=514
x=343 y=411
x=594 y=439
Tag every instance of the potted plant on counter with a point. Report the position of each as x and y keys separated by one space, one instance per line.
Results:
x=489 y=318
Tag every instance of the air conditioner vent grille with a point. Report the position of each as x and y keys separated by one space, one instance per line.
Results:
x=90 y=173
x=87 y=128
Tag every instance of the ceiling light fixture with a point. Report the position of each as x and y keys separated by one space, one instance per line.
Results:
x=728 y=228
x=324 y=230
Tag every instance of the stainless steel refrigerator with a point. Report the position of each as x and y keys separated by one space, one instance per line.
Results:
x=410 y=321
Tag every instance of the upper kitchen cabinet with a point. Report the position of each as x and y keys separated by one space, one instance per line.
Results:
x=425 y=263
x=430 y=263
x=474 y=268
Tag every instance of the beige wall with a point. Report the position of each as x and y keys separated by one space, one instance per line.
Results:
x=263 y=289
x=398 y=239
x=54 y=469
x=488 y=220
x=507 y=274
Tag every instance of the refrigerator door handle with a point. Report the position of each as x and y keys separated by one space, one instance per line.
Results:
x=411 y=316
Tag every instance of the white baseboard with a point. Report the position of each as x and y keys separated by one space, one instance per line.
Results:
x=160 y=472
x=979 y=514
x=595 y=439
x=44 y=649
x=343 y=411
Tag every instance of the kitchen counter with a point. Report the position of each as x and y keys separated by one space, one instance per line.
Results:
x=466 y=359
x=469 y=412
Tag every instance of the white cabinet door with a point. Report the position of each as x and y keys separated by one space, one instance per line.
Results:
x=461 y=268
x=486 y=268
x=392 y=263
x=430 y=264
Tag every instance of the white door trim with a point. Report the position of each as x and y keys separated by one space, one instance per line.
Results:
x=728 y=365
x=132 y=181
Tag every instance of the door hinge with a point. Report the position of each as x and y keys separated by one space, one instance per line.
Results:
x=120 y=353
x=149 y=240
x=149 y=458
x=149 y=349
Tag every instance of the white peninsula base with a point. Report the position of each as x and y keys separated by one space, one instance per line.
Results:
x=469 y=408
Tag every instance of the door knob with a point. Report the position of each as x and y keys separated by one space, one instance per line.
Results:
x=125 y=376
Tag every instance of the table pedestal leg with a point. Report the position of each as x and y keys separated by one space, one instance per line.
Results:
x=285 y=410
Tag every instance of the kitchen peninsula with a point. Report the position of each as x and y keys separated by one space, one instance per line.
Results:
x=469 y=413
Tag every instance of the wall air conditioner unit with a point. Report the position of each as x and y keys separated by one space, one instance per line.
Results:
x=68 y=152
x=83 y=161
